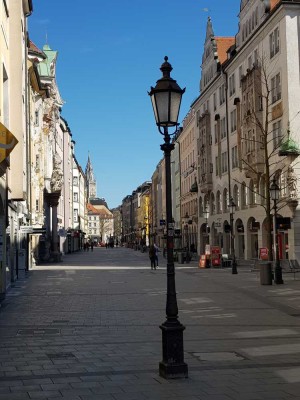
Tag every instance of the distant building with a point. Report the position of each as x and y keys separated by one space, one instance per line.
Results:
x=91 y=186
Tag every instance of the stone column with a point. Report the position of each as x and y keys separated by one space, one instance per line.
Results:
x=53 y=201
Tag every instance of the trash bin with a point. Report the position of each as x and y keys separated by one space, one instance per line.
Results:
x=265 y=270
x=180 y=258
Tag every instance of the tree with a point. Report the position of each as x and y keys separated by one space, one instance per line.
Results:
x=265 y=153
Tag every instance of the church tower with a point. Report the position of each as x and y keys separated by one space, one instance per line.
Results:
x=91 y=187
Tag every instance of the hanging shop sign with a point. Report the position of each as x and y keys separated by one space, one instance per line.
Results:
x=7 y=142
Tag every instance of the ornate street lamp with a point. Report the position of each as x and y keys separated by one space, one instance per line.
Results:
x=232 y=211
x=206 y=216
x=186 y=220
x=275 y=194
x=166 y=100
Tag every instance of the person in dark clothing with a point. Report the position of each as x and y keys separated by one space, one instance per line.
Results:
x=92 y=246
x=152 y=256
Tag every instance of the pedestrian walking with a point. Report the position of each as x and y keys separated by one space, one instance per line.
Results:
x=152 y=256
x=92 y=246
x=84 y=246
x=156 y=253
x=88 y=246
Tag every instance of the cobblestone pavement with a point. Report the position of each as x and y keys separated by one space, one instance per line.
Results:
x=88 y=328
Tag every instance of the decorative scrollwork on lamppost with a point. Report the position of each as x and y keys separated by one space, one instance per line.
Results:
x=275 y=194
x=166 y=100
x=232 y=207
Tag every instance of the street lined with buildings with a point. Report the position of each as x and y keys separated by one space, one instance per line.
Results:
x=88 y=328
x=81 y=311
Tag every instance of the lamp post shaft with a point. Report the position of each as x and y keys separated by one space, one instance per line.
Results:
x=234 y=265
x=171 y=307
x=172 y=364
x=278 y=271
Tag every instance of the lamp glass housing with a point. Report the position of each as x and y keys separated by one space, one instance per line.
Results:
x=274 y=190
x=206 y=213
x=166 y=106
x=232 y=206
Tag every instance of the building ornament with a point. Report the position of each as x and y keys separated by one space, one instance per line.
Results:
x=56 y=181
x=292 y=183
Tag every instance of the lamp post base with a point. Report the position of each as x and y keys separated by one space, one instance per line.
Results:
x=234 y=267
x=172 y=366
x=278 y=275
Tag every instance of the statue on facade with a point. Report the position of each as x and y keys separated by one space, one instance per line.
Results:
x=292 y=183
x=56 y=181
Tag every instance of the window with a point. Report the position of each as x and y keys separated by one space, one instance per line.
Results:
x=240 y=74
x=75 y=181
x=223 y=128
x=216 y=133
x=36 y=205
x=36 y=118
x=275 y=88
x=224 y=165
x=231 y=85
x=75 y=197
x=222 y=94
x=234 y=157
x=215 y=101
x=250 y=62
x=256 y=57
x=217 y=166
x=274 y=42
x=37 y=162
x=277 y=134
x=233 y=121
x=75 y=215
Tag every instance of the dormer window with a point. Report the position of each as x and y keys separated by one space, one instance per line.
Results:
x=274 y=42
x=222 y=94
x=231 y=85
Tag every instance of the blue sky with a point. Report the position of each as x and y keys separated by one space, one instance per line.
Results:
x=109 y=56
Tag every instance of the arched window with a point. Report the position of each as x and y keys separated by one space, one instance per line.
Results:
x=236 y=196
x=244 y=202
x=212 y=204
x=207 y=204
x=200 y=207
x=251 y=194
x=262 y=190
x=225 y=200
x=218 y=203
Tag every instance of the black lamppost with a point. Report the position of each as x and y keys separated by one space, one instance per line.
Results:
x=232 y=211
x=275 y=193
x=166 y=100
x=206 y=216
x=187 y=239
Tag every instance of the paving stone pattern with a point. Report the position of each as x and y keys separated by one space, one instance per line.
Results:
x=88 y=328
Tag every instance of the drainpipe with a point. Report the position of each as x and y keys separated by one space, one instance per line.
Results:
x=227 y=133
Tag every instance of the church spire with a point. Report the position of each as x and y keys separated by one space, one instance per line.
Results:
x=91 y=186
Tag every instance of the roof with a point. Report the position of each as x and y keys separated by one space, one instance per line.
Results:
x=98 y=202
x=35 y=50
x=223 y=44
x=274 y=3
x=100 y=210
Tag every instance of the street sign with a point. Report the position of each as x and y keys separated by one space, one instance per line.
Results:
x=26 y=229
x=30 y=229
